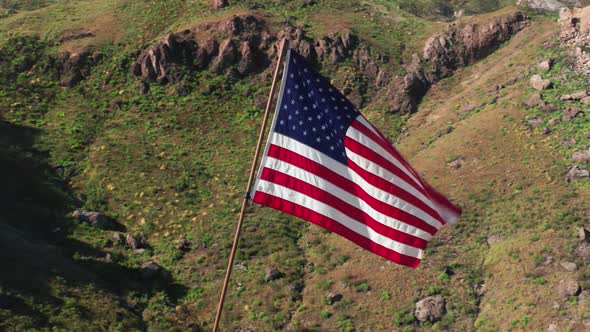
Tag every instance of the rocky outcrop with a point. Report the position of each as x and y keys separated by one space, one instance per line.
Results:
x=448 y=51
x=243 y=46
x=73 y=66
x=242 y=40
x=96 y=219
x=575 y=34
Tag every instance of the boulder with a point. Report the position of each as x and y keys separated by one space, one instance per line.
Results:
x=548 y=108
x=333 y=298
x=583 y=251
x=567 y=288
x=582 y=233
x=570 y=113
x=134 y=242
x=553 y=122
x=218 y=4
x=273 y=274
x=534 y=99
x=578 y=95
x=582 y=156
x=430 y=309
x=585 y=100
x=546 y=65
x=539 y=83
x=456 y=164
x=96 y=219
x=535 y=122
x=569 y=266
x=576 y=173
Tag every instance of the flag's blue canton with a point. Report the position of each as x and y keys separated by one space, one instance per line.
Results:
x=312 y=111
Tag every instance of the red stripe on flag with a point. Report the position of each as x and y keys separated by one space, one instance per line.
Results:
x=394 y=190
x=332 y=225
x=383 y=184
x=347 y=209
x=345 y=184
x=384 y=143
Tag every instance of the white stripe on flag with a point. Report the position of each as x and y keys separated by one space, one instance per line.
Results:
x=368 y=142
x=329 y=212
x=383 y=196
x=355 y=201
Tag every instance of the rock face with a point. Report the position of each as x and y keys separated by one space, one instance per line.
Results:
x=575 y=34
x=74 y=66
x=96 y=219
x=448 y=51
x=431 y=308
x=244 y=45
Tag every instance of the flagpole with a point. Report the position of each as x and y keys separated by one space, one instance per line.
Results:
x=250 y=180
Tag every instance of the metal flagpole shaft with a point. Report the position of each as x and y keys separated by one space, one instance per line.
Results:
x=250 y=180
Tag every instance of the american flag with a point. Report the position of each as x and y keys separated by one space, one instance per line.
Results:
x=325 y=163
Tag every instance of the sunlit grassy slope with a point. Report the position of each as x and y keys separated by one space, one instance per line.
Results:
x=174 y=167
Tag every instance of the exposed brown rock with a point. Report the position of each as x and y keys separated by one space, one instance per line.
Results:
x=273 y=274
x=567 y=288
x=456 y=164
x=546 y=65
x=582 y=156
x=548 y=108
x=74 y=66
x=569 y=266
x=575 y=34
x=534 y=99
x=96 y=219
x=583 y=250
x=218 y=4
x=576 y=173
x=73 y=34
x=536 y=122
x=333 y=298
x=447 y=51
x=539 y=83
x=431 y=308
x=570 y=113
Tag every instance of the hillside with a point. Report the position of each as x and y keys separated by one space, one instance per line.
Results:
x=148 y=111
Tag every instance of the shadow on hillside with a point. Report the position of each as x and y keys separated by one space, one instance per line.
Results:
x=35 y=235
